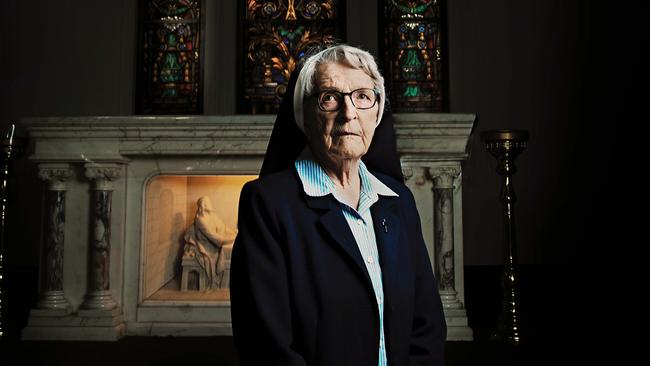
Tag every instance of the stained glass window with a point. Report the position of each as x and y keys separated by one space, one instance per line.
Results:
x=414 y=55
x=276 y=35
x=171 y=57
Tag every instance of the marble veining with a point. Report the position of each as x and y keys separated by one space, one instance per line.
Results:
x=101 y=248
x=444 y=241
x=52 y=300
x=54 y=241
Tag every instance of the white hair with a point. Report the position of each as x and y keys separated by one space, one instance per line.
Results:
x=342 y=54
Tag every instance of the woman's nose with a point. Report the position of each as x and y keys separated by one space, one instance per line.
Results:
x=348 y=110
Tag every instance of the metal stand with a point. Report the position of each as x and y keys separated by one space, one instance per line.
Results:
x=11 y=147
x=505 y=145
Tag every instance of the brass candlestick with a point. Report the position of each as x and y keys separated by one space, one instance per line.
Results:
x=505 y=145
x=11 y=147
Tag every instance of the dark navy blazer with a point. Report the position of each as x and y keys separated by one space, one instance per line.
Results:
x=300 y=291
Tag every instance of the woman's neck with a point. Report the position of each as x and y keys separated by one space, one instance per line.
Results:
x=345 y=176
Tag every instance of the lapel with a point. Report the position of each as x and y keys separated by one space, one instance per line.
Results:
x=337 y=227
x=387 y=229
x=385 y=217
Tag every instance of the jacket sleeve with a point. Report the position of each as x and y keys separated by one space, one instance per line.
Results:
x=261 y=308
x=429 y=331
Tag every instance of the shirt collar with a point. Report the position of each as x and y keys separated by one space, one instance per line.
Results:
x=316 y=183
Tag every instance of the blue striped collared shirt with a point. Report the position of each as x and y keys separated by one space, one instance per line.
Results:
x=317 y=183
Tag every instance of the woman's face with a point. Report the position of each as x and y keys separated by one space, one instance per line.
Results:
x=346 y=133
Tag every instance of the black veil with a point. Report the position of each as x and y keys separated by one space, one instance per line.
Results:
x=287 y=141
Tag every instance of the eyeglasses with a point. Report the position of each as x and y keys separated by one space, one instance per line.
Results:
x=332 y=100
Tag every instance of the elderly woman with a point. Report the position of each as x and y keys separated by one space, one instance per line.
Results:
x=329 y=266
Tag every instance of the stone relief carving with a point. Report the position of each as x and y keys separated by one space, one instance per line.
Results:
x=208 y=244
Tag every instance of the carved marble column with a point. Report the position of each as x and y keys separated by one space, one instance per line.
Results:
x=52 y=296
x=443 y=211
x=99 y=292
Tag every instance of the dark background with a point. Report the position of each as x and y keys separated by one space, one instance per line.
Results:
x=572 y=73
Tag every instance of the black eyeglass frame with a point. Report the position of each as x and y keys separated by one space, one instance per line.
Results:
x=343 y=95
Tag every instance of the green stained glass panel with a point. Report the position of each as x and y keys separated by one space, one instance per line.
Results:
x=170 y=57
x=414 y=55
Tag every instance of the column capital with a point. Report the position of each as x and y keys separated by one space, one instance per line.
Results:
x=407 y=172
x=416 y=174
x=103 y=174
x=443 y=177
x=55 y=175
